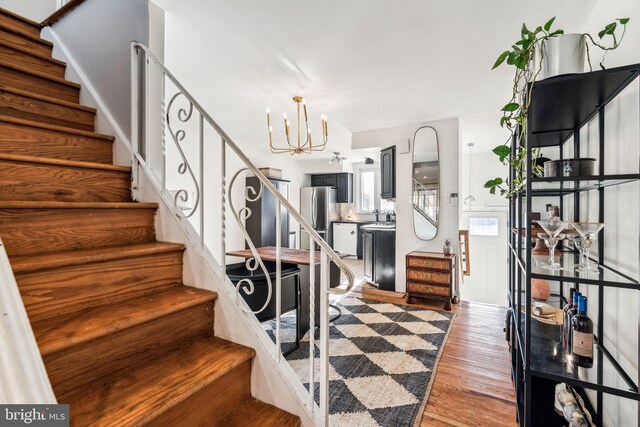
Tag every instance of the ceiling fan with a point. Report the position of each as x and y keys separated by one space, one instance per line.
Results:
x=337 y=158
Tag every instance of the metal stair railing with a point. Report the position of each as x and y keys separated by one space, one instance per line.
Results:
x=188 y=156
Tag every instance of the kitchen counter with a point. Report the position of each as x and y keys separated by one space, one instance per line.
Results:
x=357 y=235
x=346 y=221
x=380 y=227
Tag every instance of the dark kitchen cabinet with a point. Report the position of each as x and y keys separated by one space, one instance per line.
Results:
x=261 y=225
x=345 y=188
x=379 y=247
x=388 y=173
x=317 y=180
x=331 y=181
x=342 y=182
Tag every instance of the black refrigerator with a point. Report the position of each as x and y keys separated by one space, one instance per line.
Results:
x=261 y=225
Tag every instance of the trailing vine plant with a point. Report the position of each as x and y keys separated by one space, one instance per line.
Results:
x=526 y=56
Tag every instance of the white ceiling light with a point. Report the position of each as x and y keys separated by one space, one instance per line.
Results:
x=337 y=158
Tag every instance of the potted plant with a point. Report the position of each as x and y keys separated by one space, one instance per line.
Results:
x=527 y=56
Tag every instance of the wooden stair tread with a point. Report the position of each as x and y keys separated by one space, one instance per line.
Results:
x=67 y=163
x=32 y=53
x=61 y=332
x=25 y=35
x=56 y=128
x=45 y=76
x=20 y=18
x=253 y=412
x=76 y=205
x=47 y=98
x=29 y=263
x=150 y=391
x=22 y=32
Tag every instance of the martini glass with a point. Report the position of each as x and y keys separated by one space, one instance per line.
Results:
x=589 y=232
x=578 y=242
x=552 y=229
x=548 y=241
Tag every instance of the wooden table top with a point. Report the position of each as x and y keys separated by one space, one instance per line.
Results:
x=287 y=255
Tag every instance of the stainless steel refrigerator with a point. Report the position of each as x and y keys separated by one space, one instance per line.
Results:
x=318 y=207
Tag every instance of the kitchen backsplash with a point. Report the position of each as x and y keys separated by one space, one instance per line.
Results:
x=348 y=212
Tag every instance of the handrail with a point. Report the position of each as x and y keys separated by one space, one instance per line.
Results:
x=61 y=12
x=422 y=200
x=263 y=179
x=423 y=188
x=23 y=374
x=177 y=120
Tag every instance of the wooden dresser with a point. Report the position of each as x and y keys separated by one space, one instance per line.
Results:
x=432 y=275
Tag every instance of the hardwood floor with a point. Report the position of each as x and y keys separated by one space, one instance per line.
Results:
x=473 y=384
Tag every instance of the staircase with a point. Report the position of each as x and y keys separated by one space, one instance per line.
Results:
x=124 y=341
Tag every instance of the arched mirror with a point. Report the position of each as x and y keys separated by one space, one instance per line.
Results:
x=426 y=183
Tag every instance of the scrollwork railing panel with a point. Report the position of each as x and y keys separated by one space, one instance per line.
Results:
x=182 y=196
x=241 y=215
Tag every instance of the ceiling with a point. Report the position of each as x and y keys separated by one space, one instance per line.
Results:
x=366 y=64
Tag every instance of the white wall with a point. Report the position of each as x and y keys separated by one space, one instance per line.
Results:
x=36 y=10
x=406 y=240
x=622 y=207
x=99 y=33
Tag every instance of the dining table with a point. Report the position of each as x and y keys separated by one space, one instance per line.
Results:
x=299 y=257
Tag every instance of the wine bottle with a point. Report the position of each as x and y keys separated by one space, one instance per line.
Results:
x=566 y=325
x=567 y=320
x=582 y=336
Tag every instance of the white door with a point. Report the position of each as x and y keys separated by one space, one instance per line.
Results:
x=345 y=238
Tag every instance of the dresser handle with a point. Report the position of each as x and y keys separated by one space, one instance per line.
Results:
x=427 y=275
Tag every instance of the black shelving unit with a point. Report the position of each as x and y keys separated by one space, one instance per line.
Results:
x=560 y=107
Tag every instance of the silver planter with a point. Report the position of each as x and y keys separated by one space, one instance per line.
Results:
x=563 y=55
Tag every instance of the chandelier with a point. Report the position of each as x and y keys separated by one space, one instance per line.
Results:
x=299 y=147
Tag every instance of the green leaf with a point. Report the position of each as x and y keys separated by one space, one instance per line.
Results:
x=608 y=29
x=511 y=59
x=556 y=33
x=547 y=26
x=538 y=30
x=489 y=184
x=492 y=190
x=502 y=151
x=524 y=30
x=498 y=181
x=501 y=59
x=512 y=106
x=503 y=120
x=623 y=21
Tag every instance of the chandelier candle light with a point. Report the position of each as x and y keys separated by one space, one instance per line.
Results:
x=307 y=146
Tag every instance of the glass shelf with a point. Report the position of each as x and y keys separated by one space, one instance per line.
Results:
x=559 y=186
x=549 y=360
x=607 y=274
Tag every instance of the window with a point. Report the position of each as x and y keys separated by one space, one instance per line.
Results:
x=368 y=190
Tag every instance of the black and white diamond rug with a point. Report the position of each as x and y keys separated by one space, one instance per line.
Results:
x=382 y=360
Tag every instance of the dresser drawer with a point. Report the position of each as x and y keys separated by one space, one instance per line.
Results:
x=431 y=263
x=429 y=276
x=421 y=288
